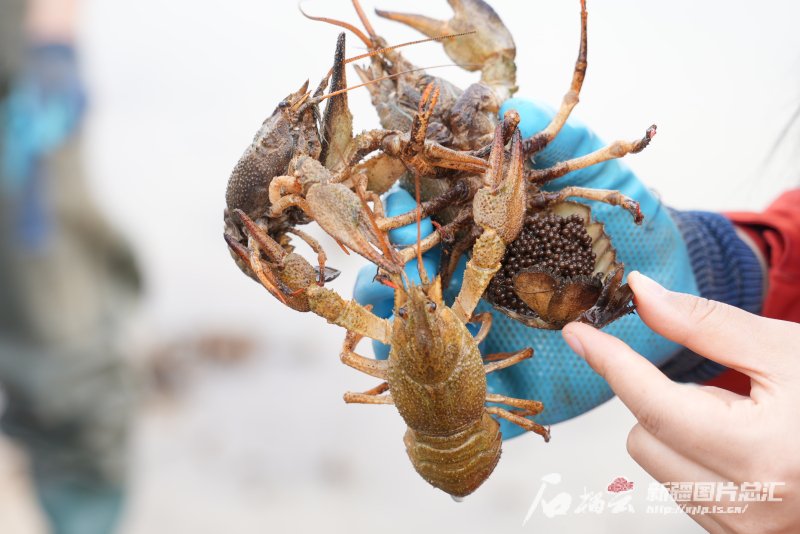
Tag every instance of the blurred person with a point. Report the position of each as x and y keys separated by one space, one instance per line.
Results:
x=67 y=281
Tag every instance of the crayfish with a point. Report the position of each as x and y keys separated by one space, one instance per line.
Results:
x=465 y=120
x=542 y=258
x=435 y=374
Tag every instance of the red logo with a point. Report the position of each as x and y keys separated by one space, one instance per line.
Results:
x=619 y=485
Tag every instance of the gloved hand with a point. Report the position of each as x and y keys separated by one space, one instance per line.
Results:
x=555 y=375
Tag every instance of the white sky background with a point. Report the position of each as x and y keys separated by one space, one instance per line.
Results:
x=180 y=87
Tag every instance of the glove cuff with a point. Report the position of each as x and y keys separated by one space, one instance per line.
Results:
x=726 y=270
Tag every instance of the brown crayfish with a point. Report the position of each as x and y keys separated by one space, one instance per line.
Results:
x=467 y=169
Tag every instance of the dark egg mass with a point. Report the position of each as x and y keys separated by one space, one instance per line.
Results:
x=547 y=241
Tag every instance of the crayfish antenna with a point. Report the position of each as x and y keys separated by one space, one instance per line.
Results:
x=408 y=43
x=317 y=100
x=404 y=279
x=346 y=25
x=423 y=274
x=364 y=20
x=427 y=103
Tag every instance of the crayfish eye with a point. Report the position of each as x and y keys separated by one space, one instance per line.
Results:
x=283 y=104
x=402 y=312
x=431 y=306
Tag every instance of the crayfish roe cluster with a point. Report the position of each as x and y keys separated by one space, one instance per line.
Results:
x=547 y=242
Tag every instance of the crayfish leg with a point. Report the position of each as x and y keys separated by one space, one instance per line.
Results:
x=505 y=359
x=539 y=141
x=370 y=366
x=485 y=320
x=518 y=420
x=525 y=407
x=371 y=396
x=613 y=198
x=316 y=247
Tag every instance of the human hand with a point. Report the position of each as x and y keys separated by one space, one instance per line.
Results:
x=706 y=434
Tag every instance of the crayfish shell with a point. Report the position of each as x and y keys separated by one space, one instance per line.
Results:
x=561 y=268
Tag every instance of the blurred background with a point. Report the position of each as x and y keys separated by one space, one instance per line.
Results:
x=212 y=408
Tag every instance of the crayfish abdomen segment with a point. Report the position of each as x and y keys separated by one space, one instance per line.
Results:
x=460 y=462
x=455 y=398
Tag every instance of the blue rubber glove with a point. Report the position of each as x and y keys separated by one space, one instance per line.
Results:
x=555 y=375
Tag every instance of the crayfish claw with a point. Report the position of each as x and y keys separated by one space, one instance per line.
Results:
x=239 y=249
x=343 y=215
x=487 y=46
x=426 y=25
x=329 y=274
x=268 y=245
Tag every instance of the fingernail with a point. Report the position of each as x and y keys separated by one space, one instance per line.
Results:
x=642 y=283
x=574 y=343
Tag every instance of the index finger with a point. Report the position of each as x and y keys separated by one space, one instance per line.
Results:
x=754 y=345
x=681 y=416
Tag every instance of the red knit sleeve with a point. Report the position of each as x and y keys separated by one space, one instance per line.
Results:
x=776 y=232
